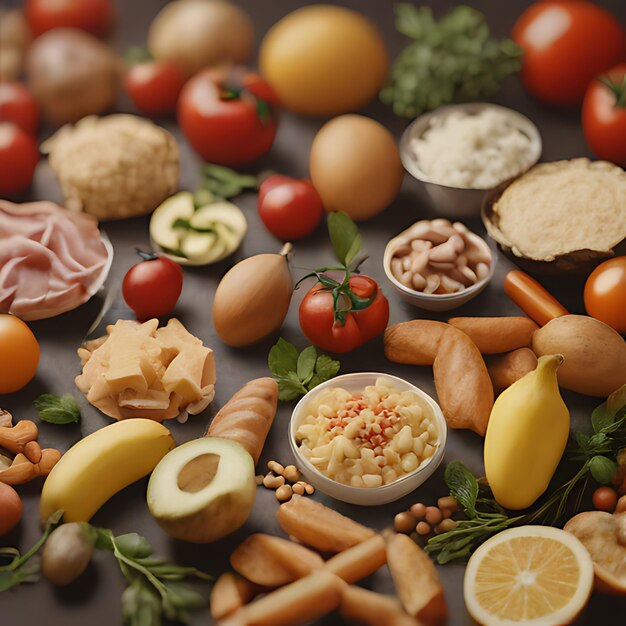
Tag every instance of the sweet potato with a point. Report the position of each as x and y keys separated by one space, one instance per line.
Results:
x=415 y=342
x=463 y=385
x=229 y=593
x=300 y=602
x=493 y=335
x=373 y=609
x=272 y=561
x=359 y=561
x=416 y=580
x=505 y=369
x=318 y=526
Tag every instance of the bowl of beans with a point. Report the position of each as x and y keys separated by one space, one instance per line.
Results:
x=438 y=265
x=367 y=438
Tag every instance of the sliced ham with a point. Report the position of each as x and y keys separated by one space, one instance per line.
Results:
x=51 y=260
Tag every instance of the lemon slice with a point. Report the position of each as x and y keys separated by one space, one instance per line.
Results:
x=531 y=575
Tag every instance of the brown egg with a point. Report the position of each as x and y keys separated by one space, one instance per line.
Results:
x=355 y=166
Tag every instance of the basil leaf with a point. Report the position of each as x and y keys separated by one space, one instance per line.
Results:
x=306 y=364
x=282 y=358
x=290 y=387
x=57 y=409
x=325 y=368
x=344 y=235
x=602 y=469
x=463 y=486
x=133 y=546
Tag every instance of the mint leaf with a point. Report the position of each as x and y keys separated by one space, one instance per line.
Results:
x=306 y=364
x=282 y=358
x=57 y=410
x=345 y=237
x=325 y=368
x=290 y=388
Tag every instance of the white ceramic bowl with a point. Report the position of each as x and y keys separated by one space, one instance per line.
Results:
x=366 y=496
x=459 y=202
x=432 y=301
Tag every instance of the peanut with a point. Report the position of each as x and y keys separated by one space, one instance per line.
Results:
x=418 y=510
x=404 y=522
x=423 y=529
x=291 y=473
x=298 y=488
x=284 y=493
x=433 y=515
x=275 y=466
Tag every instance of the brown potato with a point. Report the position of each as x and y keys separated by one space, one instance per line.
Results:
x=416 y=580
x=229 y=593
x=415 y=342
x=595 y=354
x=359 y=561
x=463 y=385
x=272 y=561
x=318 y=526
x=373 y=609
x=493 y=335
x=505 y=369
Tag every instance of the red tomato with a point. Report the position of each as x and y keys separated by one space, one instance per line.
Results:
x=152 y=288
x=17 y=105
x=604 y=116
x=227 y=115
x=94 y=16
x=154 y=87
x=290 y=208
x=318 y=323
x=11 y=508
x=605 y=293
x=566 y=44
x=18 y=159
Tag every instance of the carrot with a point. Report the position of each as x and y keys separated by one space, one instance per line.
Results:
x=532 y=297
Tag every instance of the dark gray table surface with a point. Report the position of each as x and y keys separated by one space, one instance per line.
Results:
x=95 y=598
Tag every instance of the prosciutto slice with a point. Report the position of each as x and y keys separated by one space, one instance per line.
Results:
x=51 y=260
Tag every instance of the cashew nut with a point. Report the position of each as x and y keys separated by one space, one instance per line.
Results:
x=22 y=470
x=14 y=439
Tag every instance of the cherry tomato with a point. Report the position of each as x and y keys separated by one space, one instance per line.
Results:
x=19 y=354
x=154 y=87
x=566 y=43
x=532 y=297
x=152 y=288
x=605 y=499
x=605 y=293
x=604 y=115
x=18 y=159
x=228 y=115
x=18 y=105
x=11 y=508
x=290 y=208
x=318 y=319
x=94 y=16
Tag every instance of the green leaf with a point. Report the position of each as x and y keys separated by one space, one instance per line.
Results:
x=345 y=237
x=140 y=606
x=57 y=410
x=602 y=469
x=282 y=358
x=225 y=182
x=184 y=597
x=103 y=539
x=463 y=486
x=290 y=387
x=306 y=364
x=133 y=546
x=325 y=368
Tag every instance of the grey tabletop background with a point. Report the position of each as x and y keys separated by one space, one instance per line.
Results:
x=95 y=598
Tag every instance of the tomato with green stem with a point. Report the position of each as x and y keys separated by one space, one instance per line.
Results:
x=604 y=115
x=341 y=315
x=152 y=287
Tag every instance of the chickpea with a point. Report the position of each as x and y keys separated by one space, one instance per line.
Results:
x=291 y=473
x=448 y=502
x=298 y=488
x=284 y=493
x=418 y=510
x=423 y=529
x=310 y=489
x=404 y=522
x=433 y=515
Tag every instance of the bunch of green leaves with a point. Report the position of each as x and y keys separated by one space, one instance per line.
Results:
x=155 y=587
x=454 y=59
x=24 y=568
x=596 y=457
x=297 y=373
x=348 y=247
x=222 y=182
x=57 y=409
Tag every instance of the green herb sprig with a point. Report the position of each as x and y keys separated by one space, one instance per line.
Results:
x=224 y=182
x=454 y=59
x=298 y=372
x=485 y=517
x=57 y=409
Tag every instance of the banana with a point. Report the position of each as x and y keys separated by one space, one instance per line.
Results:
x=102 y=464
x=526 y=436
